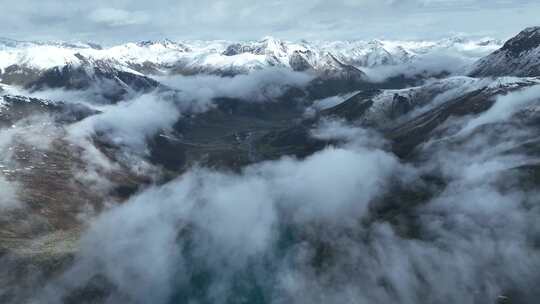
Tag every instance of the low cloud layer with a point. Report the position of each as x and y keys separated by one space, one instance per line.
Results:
x=505 y=107
x=334 y=187
x=432 y=65
x=130 y=123
x=317 y=230
x=31 y=133
x=257 y=86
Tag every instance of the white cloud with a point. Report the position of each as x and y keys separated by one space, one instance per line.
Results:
x=270 y=226
x=8 y=194
x=129 y=123
x=118 y=17
x=237 y=19
x=233 y=218
x=36 y=132
x=504 y=107
x=257 y=86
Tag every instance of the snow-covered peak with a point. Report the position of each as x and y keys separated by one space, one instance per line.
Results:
x=274 y=45
x=163 y=44
x=37 y=56
x=268 y=46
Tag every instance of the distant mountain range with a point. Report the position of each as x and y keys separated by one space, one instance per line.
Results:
x=337 y=66
x=230 y=58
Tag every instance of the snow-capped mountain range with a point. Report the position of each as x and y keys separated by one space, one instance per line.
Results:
x=225 y=57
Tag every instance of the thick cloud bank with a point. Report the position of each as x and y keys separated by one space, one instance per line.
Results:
x=228 y=221
x=257 y=86
x=319 y=230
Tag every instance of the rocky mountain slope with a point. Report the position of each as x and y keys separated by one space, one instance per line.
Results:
x=520 y=56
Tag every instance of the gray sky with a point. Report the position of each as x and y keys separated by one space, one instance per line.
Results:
x=111 y=21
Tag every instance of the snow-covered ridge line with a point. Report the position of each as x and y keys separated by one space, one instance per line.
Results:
x=201 y=55
x=520 y=56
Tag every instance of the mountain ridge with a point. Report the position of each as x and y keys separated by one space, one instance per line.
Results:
x=519 y=56
x=253 y=54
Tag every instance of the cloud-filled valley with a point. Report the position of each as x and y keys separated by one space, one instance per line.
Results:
x=269 y=171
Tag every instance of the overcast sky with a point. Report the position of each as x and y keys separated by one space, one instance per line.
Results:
x=111 y=21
